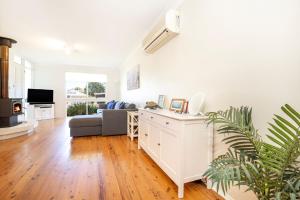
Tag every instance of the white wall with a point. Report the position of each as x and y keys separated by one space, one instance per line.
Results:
x=239 y=52
x=53 y=77
x=16 y=80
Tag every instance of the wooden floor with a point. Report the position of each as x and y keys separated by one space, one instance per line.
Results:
x=49 y=165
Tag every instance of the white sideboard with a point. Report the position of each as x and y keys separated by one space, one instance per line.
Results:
x=181 y=145
x=41 y=111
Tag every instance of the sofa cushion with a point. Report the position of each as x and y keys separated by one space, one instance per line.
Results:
x=119 y=105
x=85 y=121
x=111 y=105
x=129 y=106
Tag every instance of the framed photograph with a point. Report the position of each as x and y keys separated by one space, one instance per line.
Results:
x=177 y=105
x=161 y=101
x=133 y=78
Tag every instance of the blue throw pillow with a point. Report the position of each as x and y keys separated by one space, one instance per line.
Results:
x=111 y=105
x=119 y=105
x=122 y=106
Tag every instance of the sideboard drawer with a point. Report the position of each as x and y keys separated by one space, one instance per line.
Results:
x=152 y=117
x=164 y=121
x=143 y=114
x=157 y=119
x=172 y=124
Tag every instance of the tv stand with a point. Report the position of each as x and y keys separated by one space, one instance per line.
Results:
x=42 y=111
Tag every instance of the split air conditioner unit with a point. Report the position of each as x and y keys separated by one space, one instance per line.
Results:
x=164 y=31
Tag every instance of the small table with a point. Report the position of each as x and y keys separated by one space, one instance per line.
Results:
x=132 y=124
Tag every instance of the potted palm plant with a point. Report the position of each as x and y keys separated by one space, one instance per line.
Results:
x=268 y=168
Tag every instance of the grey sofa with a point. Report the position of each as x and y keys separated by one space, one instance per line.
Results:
x=106 y=122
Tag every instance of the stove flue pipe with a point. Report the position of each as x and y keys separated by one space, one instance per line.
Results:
x=5 y=44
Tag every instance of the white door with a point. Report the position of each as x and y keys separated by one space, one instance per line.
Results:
x=154 y=141
x=169 y=153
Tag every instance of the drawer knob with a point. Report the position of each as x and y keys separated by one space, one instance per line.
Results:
x=142 y=113
x=158 y=144
x=167 y=123
x=151 y=117
x=146 y=135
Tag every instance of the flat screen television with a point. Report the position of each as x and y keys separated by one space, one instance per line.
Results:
x=40 y=96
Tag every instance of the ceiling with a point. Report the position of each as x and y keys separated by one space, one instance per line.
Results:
x=78 y=32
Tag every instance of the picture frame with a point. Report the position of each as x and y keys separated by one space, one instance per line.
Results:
x=177 y=105
x=161 y=101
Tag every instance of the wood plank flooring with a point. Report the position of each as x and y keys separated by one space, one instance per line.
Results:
x=49 y=165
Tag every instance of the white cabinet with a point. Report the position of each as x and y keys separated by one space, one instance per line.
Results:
x=44 y=111
x=180 y=144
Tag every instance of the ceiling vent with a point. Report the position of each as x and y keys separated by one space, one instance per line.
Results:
x=163 y=32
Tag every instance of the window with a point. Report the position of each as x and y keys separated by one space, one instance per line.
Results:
x=84 y=92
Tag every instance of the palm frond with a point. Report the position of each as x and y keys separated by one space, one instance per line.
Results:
x=237 y=125
x=285 y=135
x=269 y=169
x=224 y=171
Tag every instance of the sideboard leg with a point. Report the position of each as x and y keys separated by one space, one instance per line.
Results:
x=180 y=190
